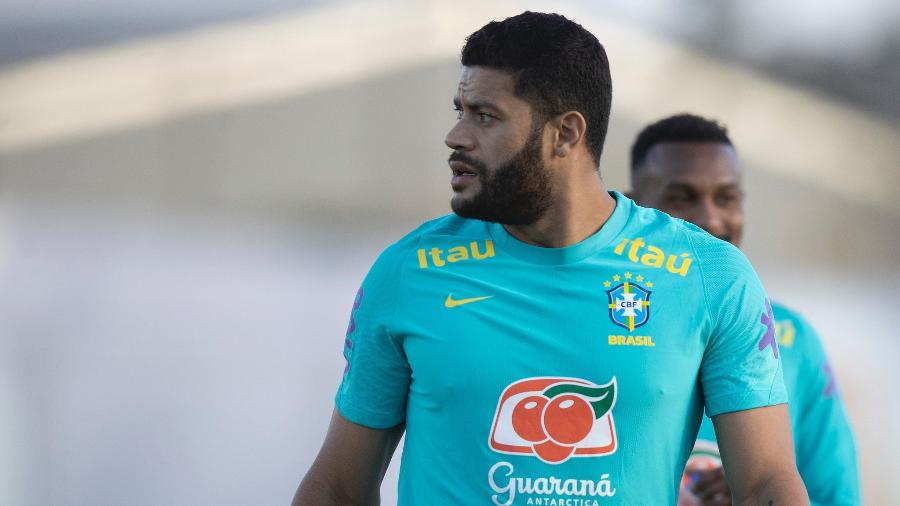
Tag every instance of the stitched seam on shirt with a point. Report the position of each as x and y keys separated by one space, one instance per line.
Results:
x=400 y=275
x=709 y=314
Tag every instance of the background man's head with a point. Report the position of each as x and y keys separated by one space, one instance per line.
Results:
x=687 y=166
x=530 y=69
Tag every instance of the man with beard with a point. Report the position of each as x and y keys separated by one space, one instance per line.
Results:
x=687 y=166
x=547 y=343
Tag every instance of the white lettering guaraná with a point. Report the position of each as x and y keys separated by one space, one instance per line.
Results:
x=506 y=486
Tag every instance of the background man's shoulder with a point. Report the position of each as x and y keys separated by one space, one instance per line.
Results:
x=795 y=334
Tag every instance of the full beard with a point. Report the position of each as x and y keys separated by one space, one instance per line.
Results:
x=516 y=193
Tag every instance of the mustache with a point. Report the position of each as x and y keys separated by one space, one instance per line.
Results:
x=458 y=156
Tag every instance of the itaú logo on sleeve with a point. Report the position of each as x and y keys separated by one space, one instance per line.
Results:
x=555 y=419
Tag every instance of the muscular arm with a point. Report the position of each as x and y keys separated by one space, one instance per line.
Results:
x=758 y=456
x=350 y=465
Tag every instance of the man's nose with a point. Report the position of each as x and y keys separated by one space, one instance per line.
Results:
x=709 y=217
x=459 y=139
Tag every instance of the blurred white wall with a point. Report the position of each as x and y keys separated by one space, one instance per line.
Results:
x=184 y=221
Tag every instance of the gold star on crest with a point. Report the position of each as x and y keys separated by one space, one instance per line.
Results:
x=639 y=278
x=627 y=275
x=649 y=284
x=616 y=277
x=606 y=284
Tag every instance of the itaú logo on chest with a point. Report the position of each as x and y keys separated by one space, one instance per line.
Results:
x=653 y=256
x=555 y=419
x=438 y=258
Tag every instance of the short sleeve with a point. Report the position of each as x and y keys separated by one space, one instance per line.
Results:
x=740 y=369
x=375 y=384
x=826 y=450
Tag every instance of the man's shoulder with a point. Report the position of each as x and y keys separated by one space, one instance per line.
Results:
x=794 y=333
x=448 y=225
x=781 y=311
x=686 y=240
x=439 y=230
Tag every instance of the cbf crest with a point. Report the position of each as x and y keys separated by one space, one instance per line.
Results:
x=629 y=300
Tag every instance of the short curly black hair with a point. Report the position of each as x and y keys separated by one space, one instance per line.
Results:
x=558 y=66
x=678 y=128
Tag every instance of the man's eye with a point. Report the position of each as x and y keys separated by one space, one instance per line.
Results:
x=482 y=117
x=678 y=198
x=486 y=118
x=728 y=199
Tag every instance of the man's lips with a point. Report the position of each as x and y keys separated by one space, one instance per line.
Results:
x=462 y=169
x=463 y=175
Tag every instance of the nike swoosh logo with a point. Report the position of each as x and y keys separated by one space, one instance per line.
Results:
x=450 y=302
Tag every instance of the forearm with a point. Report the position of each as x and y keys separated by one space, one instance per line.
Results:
x=777 y=491
x=350 y=466
x=314 y=490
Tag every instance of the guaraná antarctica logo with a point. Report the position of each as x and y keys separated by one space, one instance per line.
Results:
x=629 y=302
x=555 y=419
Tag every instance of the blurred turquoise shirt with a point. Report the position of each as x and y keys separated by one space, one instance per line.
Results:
x=823 y=440
x=568 y=376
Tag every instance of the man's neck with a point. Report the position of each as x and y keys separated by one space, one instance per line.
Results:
x=580 y=209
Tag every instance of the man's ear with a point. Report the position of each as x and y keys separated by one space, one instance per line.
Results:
x=570 y=129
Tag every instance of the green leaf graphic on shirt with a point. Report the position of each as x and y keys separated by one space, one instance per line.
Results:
x=601 y=398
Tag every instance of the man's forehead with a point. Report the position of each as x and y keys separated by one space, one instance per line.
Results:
x=484 y=82
x=694 y=160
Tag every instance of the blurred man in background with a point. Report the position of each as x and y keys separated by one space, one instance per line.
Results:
x=687 y=166
x=516 y=340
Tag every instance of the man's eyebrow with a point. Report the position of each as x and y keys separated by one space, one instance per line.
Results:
x=679 y=185
x=475 y=104
x=688 y=187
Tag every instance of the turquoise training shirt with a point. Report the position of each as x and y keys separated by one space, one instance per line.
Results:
x=572 y=376
x=823 y=440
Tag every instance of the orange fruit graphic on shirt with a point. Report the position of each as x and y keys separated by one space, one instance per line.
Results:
x=526 y=418
x=568 y=419
x=549 y=451
x=555 y=418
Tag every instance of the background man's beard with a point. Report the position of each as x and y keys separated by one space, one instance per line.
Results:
x=516 y=193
